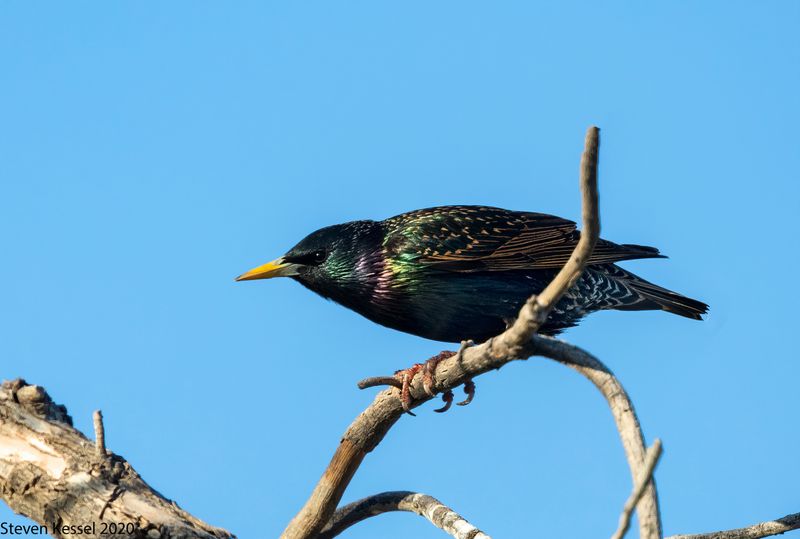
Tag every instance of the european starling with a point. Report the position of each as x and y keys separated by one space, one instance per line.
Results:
x=454 y=273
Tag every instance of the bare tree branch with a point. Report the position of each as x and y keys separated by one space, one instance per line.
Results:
x=53 y=474
x=756 y=531
x=517 y=342
x=426 y=506
x=650 y=461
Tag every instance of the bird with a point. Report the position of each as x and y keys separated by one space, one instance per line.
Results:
x=458 y=273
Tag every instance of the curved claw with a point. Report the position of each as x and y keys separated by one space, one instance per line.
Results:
x=469 y=389
x=403 y=379
x=447 y=397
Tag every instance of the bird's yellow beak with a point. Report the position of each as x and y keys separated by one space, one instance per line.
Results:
x=276 y=268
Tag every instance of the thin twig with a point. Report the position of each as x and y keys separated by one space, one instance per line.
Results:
x=426 y=506
x=650 y=461
x=756 y=531
x=375 y=381
x=99 y=434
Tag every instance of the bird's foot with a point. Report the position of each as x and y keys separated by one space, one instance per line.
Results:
x=406 y=376
x=402 y=380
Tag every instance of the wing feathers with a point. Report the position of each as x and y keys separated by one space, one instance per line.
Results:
x=477 y=238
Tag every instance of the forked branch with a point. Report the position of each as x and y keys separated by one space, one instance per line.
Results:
x=517 y=342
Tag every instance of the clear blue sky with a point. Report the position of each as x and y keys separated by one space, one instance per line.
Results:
x=151 y=152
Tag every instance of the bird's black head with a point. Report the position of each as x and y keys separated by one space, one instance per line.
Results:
x=334 y=261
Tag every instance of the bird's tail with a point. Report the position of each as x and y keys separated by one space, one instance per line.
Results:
x=648 y=296
x=669 y=301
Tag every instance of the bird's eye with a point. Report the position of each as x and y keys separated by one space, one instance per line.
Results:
x=320 y=256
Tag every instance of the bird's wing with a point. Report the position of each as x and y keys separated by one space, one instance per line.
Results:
x=479 y=238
